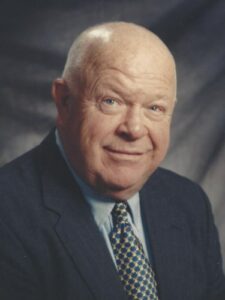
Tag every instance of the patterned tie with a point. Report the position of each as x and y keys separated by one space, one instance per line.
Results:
x=134 y=268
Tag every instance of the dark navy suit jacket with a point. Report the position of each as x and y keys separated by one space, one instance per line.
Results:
x=51 y=248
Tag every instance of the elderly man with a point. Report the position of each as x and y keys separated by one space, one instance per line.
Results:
x=88 y=214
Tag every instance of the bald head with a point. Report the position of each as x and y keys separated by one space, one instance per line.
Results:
x=116 y=44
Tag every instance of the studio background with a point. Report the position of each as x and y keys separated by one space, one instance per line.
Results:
x=36 y=35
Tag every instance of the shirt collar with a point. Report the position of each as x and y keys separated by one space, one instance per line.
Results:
x=101 y=206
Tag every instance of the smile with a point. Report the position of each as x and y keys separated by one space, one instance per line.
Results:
x=124 y=154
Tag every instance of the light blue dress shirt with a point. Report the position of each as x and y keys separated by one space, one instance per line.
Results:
x=101 y=208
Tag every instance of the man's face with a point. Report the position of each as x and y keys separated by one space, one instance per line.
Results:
x=117 y=130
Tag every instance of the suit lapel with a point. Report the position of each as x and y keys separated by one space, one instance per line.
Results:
x=169 y=241
x=76 y=227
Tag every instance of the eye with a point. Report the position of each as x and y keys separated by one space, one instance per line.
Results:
x=110 y=105
x=156 y=108
x=156 y=111
x=109 y=101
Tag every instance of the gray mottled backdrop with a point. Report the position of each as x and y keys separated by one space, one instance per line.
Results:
x=35 y=37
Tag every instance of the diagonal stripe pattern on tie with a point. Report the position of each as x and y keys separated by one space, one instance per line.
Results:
x=134 y=268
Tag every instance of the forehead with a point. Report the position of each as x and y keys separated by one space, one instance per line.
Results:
x=135 y=89
x=131 y=75
x=131 y=69
x=130 y=84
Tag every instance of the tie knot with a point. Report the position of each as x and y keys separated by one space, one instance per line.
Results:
x=119 y=212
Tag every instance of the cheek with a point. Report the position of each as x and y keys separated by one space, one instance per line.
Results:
x=95 y=131
x=160 y=135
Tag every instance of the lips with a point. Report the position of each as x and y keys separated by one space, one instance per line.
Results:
x=128 y=152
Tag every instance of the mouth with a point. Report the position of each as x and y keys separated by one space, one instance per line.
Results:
x=125 y=154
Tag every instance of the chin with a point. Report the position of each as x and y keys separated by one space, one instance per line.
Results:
x=121 y=187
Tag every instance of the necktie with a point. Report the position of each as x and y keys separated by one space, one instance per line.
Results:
x=134 y=268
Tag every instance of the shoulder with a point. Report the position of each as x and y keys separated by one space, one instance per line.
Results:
x=25 y=168
x=175 y=184
x=22 y=169
x=182 y=194
x=183 y=202
x=20 y=182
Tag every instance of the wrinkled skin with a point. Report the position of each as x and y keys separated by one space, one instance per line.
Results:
x=115 y=129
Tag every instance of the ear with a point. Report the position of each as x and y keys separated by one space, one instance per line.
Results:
x=61 y=95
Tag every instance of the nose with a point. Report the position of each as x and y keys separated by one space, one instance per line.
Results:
x=132 y=126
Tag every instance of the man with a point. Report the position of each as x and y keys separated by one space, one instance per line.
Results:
x=88 y=214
